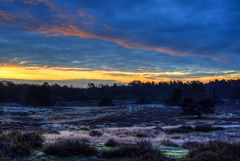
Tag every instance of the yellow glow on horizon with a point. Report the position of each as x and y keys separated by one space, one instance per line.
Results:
x=12 y=71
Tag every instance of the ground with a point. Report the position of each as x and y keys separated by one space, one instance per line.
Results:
x=163 y=126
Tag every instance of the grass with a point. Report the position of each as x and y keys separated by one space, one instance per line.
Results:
x=17 y=144
x=169 y=143
x=95 y=133
x=134 y=152
x=187 y=129
x=137 y=152
x=69 y=147
x=214 y=151
x=111 y=143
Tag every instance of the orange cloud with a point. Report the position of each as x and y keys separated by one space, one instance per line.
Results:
x=72 y=30
x=15 y=71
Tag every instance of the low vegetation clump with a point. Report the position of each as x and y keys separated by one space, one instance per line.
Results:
x=16 y=144
x=181 y=129
x=197 y=107
x=137 y=152
x=111 y=143
x=198 y=128
x=206 y=128
x=95 y=133
x=214 y=151
x=169 y=143
x=141 y=135
x=69 y=147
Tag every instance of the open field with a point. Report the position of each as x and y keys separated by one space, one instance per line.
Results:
x=164 y=127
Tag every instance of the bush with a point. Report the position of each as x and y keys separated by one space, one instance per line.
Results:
x=69 y=147
x=181 y=129
x=16 y=144
x=206 y=128
x=111 y=143
x=215 y=151
x=194 y=107
x=105 y=101
x=199 y=128
x=95 y=133
x=169 y=143
x=136 y=152
x=129 y=150
x=32 y=140
x=152 y=156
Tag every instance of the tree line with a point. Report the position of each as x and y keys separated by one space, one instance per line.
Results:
x=140 y=92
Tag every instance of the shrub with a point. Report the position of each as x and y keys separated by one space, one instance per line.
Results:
x=199 y=128
x=111 y=143
x=130 y=151
x=206 y=128
x=169 y=143
x=193 y=107
x=105 y=101
x=69 y=147
x=136 y=152
x=95 y=133
x=181 y=129
x=152 y=156
x=16 y=144
x=32 y=140
x=215 y=151
x=140 y=135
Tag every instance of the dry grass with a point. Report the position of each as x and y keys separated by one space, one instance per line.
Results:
x=69 y=147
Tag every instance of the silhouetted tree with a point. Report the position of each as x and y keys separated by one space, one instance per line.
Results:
x=2 y=95
x=39 y=96
x=175 y=97
x=173 y=90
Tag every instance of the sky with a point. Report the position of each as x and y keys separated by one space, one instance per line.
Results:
x=107 y=41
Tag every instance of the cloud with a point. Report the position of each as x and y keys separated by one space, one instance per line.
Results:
x=5 y=16
x=136 y=35
x=21 y=72
x=76 y=31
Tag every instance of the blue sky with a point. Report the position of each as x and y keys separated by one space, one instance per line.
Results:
x=199 y=39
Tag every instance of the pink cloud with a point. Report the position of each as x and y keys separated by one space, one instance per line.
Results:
x=72 y=30
x=5 y=16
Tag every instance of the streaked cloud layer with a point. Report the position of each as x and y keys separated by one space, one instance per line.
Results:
x=120 y=40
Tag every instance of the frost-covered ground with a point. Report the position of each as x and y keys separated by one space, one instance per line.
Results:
x=126 y=124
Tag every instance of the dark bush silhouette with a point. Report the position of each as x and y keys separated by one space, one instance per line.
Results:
x=111 y=143
x=69 y=147
x=105 y=101
x=194 y=107
x=198 y=128
x=16 y=144
x=214 y=151
x=136 y=152
x=95 y=133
